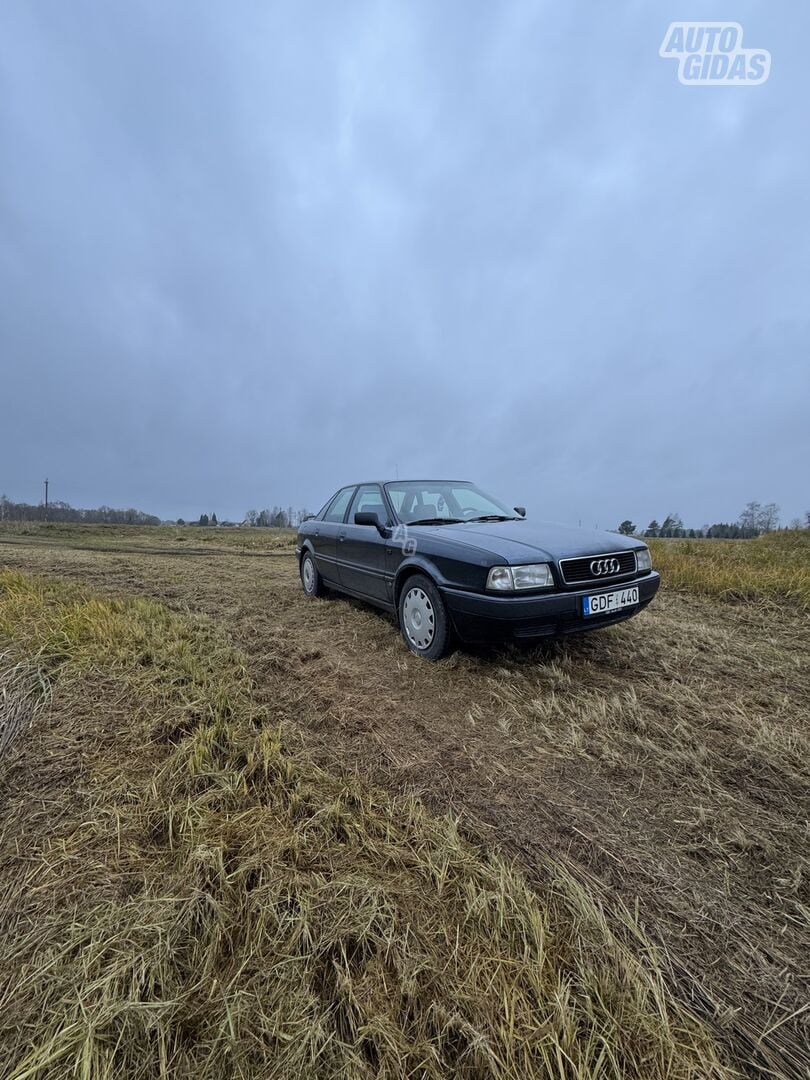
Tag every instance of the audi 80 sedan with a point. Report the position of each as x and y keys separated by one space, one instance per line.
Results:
x=451 y=562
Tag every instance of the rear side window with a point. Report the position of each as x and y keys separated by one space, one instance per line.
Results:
x=337 y=507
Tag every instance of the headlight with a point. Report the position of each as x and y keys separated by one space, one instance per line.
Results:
x=510 y=578
x=500 y=578
x=643 y=560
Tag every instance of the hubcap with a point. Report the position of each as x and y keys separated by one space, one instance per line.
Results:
x=419 y=618
x=308 y=573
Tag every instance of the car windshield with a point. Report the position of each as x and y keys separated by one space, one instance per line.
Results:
x=442 y=502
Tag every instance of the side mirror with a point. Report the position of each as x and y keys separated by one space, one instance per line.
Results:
x=369 y=517
x=365 y=517
x=520 y=510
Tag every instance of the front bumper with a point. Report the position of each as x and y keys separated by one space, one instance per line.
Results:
x=479 y=617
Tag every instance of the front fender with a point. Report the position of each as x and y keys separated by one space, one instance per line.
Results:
x=417 y=563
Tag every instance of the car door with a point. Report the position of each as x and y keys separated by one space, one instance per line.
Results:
x=361 y=551
x=325 y=535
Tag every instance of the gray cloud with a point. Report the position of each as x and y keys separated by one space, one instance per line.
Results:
x=251 y=252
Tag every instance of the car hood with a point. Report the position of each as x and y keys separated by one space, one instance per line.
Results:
x=526 y=541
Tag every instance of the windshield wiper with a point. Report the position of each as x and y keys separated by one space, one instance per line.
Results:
x=494 y=517
x=435 y=521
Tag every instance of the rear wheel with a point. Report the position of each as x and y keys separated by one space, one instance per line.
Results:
x=423 y=619
x=310 y=578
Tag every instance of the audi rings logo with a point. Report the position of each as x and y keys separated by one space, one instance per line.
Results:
x=600 y=567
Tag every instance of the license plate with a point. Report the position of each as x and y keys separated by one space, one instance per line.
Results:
x=606 y=603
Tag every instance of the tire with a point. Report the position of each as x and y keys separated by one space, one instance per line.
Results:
x=311 y=580
x=423 y=619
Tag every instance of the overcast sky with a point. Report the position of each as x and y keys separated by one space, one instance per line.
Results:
x=252 y=252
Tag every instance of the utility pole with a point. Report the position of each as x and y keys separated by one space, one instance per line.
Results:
x=46 y=498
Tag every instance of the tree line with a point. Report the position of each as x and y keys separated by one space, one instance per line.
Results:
x=754 y=520
x=275 y=518
x=64 y=512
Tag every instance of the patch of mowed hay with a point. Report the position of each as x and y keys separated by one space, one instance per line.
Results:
x=183 y=898
x=21 y=690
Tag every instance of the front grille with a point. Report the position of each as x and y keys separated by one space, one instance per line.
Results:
x=578 y=571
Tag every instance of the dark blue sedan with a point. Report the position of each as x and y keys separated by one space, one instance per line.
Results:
x=451 y=562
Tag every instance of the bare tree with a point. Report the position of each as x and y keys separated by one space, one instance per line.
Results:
x=769 y=517
x=750 y=517
x=757 y=518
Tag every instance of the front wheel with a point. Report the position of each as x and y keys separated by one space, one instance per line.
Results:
x=310 y=578
x=423 y=619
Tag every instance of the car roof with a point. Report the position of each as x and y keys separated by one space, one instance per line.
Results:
x=391 y=480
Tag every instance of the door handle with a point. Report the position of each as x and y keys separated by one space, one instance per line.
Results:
x=342 y=536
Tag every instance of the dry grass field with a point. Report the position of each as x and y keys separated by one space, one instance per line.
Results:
x=247 y=834
x=776 y=567
x=167 y=539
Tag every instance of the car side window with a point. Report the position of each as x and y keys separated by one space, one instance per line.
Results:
x=369 y=499
x=337 y=507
